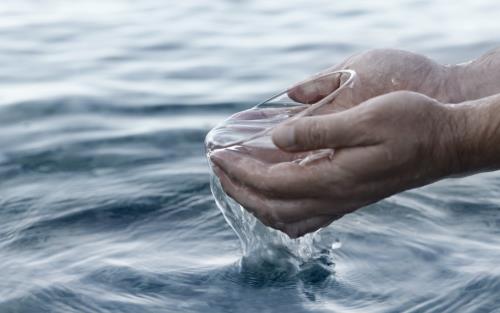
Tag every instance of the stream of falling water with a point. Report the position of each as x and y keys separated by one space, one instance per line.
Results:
x=262 y=245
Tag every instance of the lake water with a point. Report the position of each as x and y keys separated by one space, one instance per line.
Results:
x=105 y=202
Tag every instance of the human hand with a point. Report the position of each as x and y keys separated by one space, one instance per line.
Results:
x=383 y=146
x=378 y=72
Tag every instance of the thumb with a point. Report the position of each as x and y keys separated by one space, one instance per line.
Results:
x=320 y=132
x=315 y=88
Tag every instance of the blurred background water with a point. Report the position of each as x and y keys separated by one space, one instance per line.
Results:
x=105 y=203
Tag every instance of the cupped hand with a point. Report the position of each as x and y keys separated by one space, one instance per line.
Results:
x=383 y=146
x=379 y=72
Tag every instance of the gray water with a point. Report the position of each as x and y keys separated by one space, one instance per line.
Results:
x=105 y=204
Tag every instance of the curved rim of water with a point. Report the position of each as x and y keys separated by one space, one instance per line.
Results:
x=327 y=99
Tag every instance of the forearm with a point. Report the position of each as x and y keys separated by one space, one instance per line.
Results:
x=475 y=79
x=475 y=129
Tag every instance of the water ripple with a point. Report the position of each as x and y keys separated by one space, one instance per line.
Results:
x=104 y=187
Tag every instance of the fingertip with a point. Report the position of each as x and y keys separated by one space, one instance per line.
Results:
x=219 y=172
x=306 y=93
x=284 y=137
x=222 y=158
x=215 y=158
x=296 y=93
x=315 y=88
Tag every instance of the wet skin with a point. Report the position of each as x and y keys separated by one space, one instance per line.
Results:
x=394 y=131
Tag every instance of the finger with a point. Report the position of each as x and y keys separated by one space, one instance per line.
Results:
x=366 y=175
x=287 y=179
x=345 y=99
x=275 y=213
x=315 y=88
x=337 y=130
x=270 y=155
x=257 y=113
x=252 y=202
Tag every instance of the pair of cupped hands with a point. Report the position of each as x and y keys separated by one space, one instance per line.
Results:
x=391 y=132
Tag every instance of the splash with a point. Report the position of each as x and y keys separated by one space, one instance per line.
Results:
x=250 y=131
x=270 y=256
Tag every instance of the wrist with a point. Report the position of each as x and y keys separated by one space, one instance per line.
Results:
x=463 y=83
x=475 y=79
x=458 y=143
x=472 y=137
x=456 y=84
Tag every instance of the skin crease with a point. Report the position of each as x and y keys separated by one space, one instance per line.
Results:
x=386 y=141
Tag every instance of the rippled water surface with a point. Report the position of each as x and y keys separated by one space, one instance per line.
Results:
x=105 y=202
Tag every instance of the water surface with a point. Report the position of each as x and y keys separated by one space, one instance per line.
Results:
x=105 y=204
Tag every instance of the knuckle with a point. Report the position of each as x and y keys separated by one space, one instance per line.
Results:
x=315 y=134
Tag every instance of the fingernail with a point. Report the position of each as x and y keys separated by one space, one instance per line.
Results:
x=284 y=136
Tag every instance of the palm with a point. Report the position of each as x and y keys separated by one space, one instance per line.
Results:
x=392 y=148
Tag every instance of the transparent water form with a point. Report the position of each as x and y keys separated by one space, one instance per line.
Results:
x=251 y=130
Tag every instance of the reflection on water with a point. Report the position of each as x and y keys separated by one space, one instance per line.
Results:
x=105 y=201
